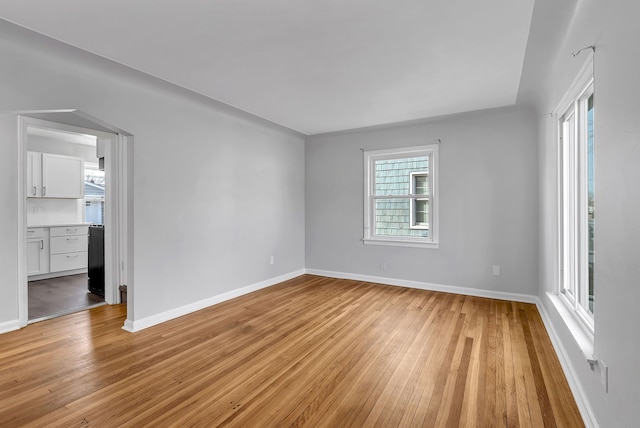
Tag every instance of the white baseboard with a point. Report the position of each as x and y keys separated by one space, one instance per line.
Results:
x=137 y=325
x=586 y=411
x=500 y=295
x=8 y=326
x=57 y=274
x=128 y=326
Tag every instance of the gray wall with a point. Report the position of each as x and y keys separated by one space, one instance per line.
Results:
x=613 y=27
x=488 y=202
x=216 y=191
x=36 y=143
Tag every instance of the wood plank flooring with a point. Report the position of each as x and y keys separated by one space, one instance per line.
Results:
x=311 y=351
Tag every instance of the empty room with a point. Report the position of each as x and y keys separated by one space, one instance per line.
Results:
x=416 y=213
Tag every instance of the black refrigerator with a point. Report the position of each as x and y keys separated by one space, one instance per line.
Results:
x=96 y=259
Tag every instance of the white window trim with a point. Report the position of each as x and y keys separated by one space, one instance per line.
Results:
x=370 y=157
x=580 y=89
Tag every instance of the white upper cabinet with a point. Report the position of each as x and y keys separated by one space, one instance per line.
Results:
x=34 y=175
x=62 y=176
x=54 y=176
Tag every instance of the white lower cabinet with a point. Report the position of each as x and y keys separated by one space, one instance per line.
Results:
x=69 y=248
x=37 y=251
x=56 y=249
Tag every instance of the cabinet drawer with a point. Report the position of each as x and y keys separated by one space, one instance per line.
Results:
x=68 y=244
x=69 y=261
x=69 y=230
x=37 y=232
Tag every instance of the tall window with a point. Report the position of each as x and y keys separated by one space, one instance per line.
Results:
x=577 y=201
x=400 y=203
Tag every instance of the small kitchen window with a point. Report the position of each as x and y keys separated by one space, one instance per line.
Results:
x=94 y=191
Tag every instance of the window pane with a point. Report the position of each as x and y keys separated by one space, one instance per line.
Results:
x=420 y=184
x=392 y=218
x=422 y=212
x=94 y=212
x=94 y=187
x=590 y=198
x=392 y=176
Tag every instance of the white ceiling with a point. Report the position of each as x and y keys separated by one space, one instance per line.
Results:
x=314 y=66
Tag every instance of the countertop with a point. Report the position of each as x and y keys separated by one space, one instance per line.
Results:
x=31 y=226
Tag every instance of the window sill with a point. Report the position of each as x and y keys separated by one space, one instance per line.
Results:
x=580 y=333
x=398 y=243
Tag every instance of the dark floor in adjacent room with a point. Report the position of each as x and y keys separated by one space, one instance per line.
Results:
x=58 y=296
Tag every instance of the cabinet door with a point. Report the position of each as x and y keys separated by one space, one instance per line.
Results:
x=62 y=176
x=34 y=175
x=37 y=257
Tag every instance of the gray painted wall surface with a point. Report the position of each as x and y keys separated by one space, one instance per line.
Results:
x=216 y=191
x=48 y=145
x=613 y=27
x=488 y=202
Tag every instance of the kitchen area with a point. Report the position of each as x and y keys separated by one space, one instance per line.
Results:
x=65 y=206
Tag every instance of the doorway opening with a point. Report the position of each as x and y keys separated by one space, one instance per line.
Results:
x=65 y=217
x=75 y=215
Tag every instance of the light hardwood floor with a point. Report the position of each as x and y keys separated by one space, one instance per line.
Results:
x=308 y=352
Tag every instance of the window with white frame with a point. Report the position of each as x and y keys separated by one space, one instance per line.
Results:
x=576 y=207
x=400 y=196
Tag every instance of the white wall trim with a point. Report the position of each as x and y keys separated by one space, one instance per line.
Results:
x=8 y=326
x=137 y=325
x=23 y=287
x=500 y=295
x=586 y=411
x=56 y=274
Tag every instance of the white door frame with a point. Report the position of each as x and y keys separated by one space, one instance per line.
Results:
x=116 y=199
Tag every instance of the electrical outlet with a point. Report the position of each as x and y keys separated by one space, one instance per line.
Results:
x=604 y=375
x=383 y=265
x=272 y=260
x=496 y=270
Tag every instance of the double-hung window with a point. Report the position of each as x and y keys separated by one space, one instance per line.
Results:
x=576 y=205
x=400 y=196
